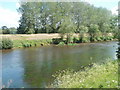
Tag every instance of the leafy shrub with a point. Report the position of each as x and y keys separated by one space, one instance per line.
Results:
x=26 y=44
x=61 y=43
x=84 y=39
x=69 y=39
x=98 y=39
x=6 y=44
x=109 y=38
x=56 y=40
x=103 y=38
x=76 y=40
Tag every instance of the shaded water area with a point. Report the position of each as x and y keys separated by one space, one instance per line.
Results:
x=34 y=67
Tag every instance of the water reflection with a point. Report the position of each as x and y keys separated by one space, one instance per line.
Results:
x=34 y=67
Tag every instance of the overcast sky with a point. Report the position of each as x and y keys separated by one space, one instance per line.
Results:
x=9 y=16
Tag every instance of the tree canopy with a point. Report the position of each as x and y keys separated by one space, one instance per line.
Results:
x=51 y=17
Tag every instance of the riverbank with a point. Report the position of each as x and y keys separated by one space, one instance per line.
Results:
x=37 y=40
x=103 y=75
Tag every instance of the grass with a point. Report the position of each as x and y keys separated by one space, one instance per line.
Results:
x=36 y=40
x=103 y=75
x=31 y=43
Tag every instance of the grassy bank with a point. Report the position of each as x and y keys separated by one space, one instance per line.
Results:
x=104 y=75
x=31 y=43
x=36 y=40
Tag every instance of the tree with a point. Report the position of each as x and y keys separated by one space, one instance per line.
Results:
x=13 y=30
x=93 y=29
x=27 y=20
x=5 y=30
x=67 y=28
x=48 y=17
x=114 y=25
x=82 y=31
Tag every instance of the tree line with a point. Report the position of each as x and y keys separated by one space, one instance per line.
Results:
x=6 y=30
x=64 y=17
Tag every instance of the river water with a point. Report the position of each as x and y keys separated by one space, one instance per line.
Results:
x=34 y=67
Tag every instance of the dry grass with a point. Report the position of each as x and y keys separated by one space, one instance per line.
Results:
x=36 y=36
x=30 y=36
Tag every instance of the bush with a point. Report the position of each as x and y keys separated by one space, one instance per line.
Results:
x=26 y=44
x=61 y=43
x=76 y=40
x=69 y=39
x=98 y=39
x=84 y=39
x=56 y=40
x=110 y=38
x=6 y=44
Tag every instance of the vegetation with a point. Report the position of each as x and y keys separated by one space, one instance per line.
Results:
x=6 y=30
x=27 y=41
x=66 y=18
x=6 y=43
x=103 y=75
x=119 y=35
x=31 y=43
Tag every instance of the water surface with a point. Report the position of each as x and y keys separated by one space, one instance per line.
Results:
x=34 y=67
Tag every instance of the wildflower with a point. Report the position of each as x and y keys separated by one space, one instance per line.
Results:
x=80 y=81
x=113 y=80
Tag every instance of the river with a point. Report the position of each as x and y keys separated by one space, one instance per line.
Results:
x=34 y=67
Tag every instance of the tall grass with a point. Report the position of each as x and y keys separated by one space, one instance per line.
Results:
x=104 y=75
x=31 y=43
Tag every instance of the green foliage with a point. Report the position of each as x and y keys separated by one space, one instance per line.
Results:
x=106 y=28
x=61 y=43
x=93 y=30
x=56 y=40
x=76 y=40
x=98 y=38
x=13 y=30
x=31 y=43
x=83 y=29
x=67 y=28
x=62 y=17
x=26 y=44
x=69 y=38
x=5 y=30
x=103 y=75
x=6 y=43
x=84 y=39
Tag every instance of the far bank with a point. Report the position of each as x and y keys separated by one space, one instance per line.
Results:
x=37 y=40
